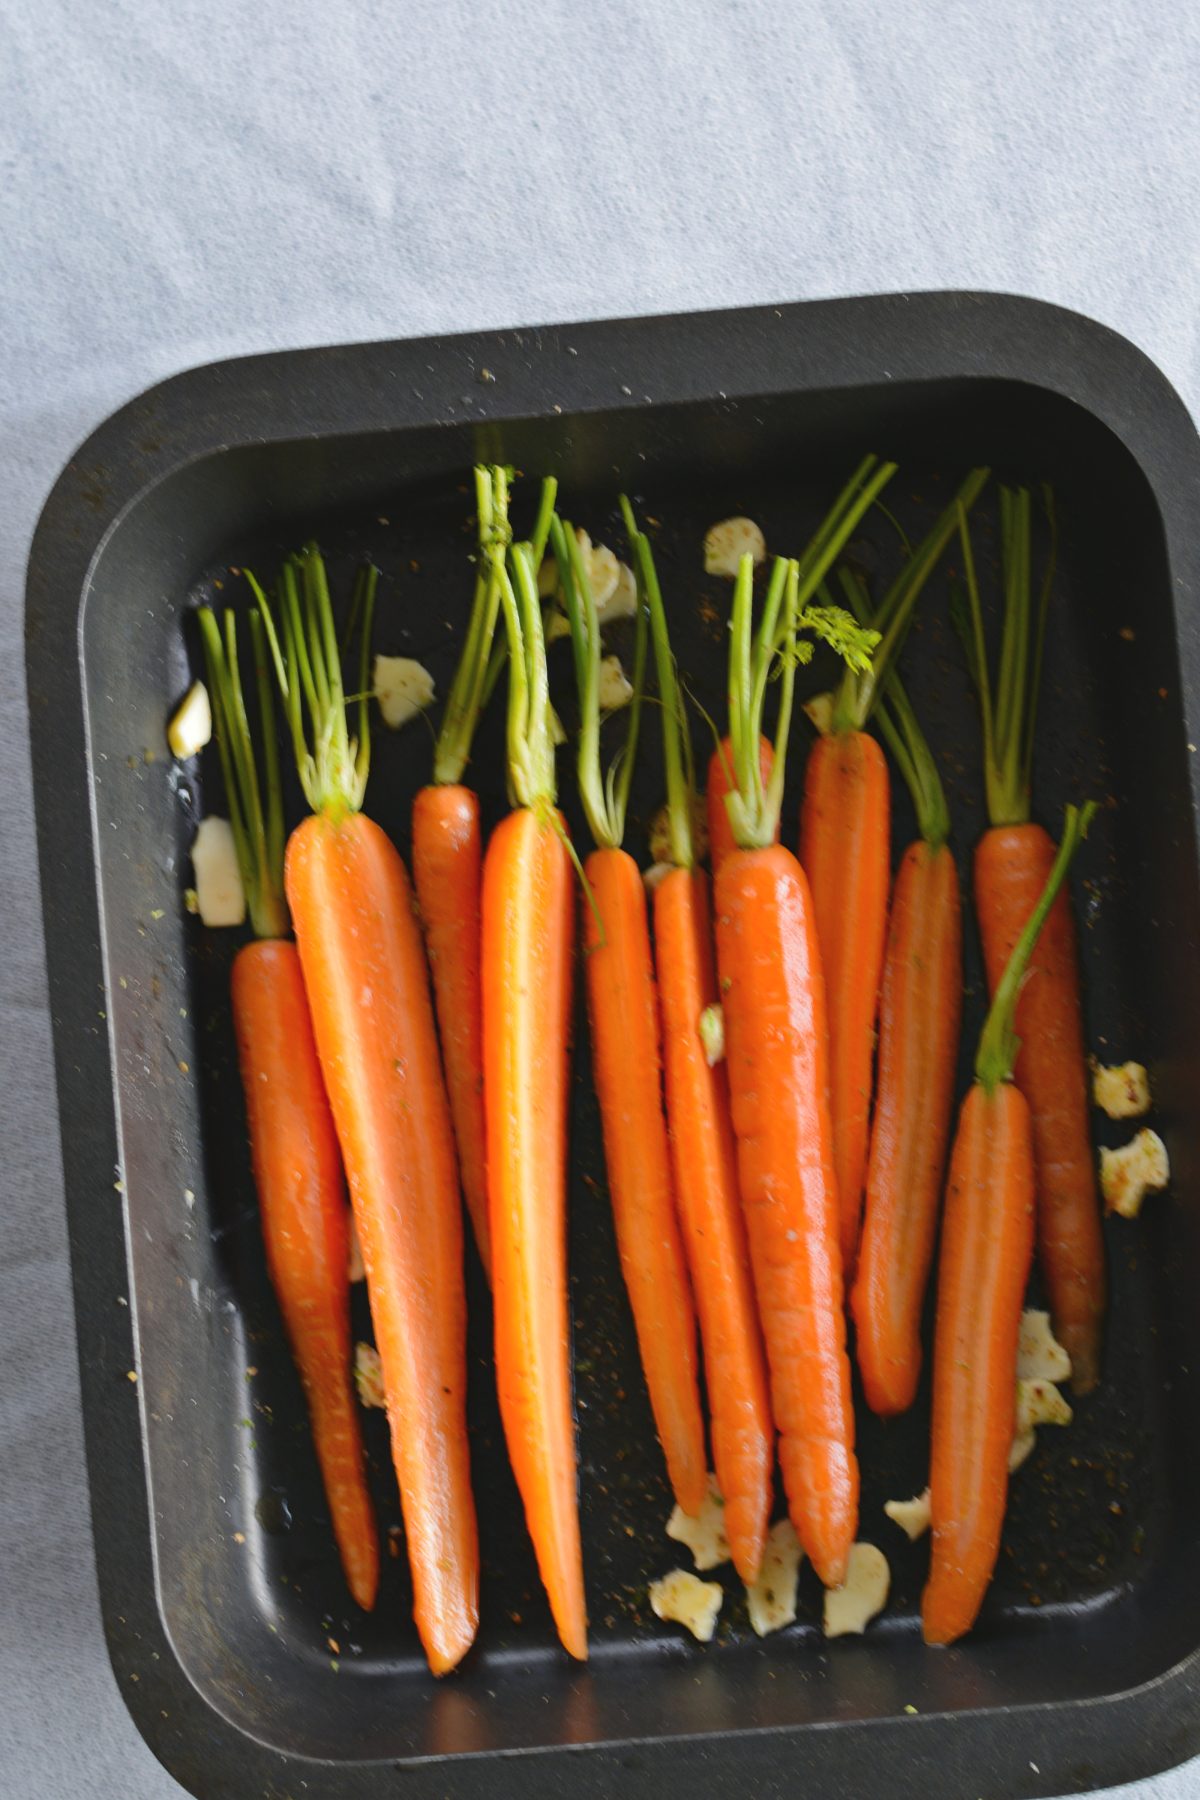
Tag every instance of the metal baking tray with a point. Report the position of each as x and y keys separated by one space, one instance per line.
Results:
x=231 y=1634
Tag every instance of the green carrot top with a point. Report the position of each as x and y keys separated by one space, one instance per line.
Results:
x=530 y=730
x=256 y=822
x=1009 y=712
x=332 y=763
x=676 y=737
x=858 y=695
x=999 y=1043
x=604 y=793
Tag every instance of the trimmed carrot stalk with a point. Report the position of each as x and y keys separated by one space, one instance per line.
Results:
x=627 y=1063
x=528 y=934
x=1010 y=865
x=773 y=996
x=627 y=1058
x=845 y=847
x=703 y=1153
x=298 y=1174
x=368 y=991
x=987 y=1251
x=294 y=1151
x=720 y=785
x=920 y=1015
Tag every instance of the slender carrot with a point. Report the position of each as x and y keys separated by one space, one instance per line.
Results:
x=920 y=1012
x=1011 y=861
x=987 y=1250
x=627 y=1057
x=720 y=784
x=297 y=1169
x=703 y=1154
x=776 y=1051
x=845 y=846
x=448 y=856
x=528 y=929
x=368 y=990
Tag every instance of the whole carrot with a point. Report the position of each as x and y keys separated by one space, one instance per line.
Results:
x=845 y=847
x=703 y=1154
x=368 y=991
x=1011 y=864
x=987 y=1249
x=448 y=856
x=528 y=931
x=627 y=1057
x=720 y=785
x=773 y=1000
x=297 y=1168
x=920 y=1012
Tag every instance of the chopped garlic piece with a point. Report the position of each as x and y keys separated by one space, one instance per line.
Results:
x=622 y=602
x=547 y=578
x=820 y=712
x=403 y=689
x=355 y=1270
x=656 y=874
x=616 y=689
x=1127 y=1175
x=191 y=728
x=1040 y=1357
x=220 y=896
x=660 y=831
x=771 y=1602
x=864 y=1592
x=604 y=573
x=555 y=624
x=912 y=1516
x=705 y=1534
x=712 y=1034
x=1122 y=1091
x=682 y=1598
x=1040 y=1403
x=368 y=1375
x=728 y=541
x=1022 y=1449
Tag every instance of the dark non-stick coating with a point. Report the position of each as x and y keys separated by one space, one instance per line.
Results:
x=1096 y=1586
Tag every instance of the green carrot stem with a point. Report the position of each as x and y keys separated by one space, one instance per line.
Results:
x=907 y=742
x=530 y=734
x=257 y=832
x=999 y=1043
x=676 y=736
x=468 y=688
x=858 y=694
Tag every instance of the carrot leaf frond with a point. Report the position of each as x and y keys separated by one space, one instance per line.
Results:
x=469 y=688
x=676 y=733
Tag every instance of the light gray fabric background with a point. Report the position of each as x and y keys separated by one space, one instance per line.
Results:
x=189 y=181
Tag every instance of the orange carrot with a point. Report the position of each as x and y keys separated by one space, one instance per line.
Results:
x=776 y=1049
x=919 y=1016
x=720 y=785
x=703 y=1154
x=1011 y=862
x=297 y=1169
x=527 y=944
x=627 y=1059
x=845 y=846
x=987 y=1250
x=368 y=991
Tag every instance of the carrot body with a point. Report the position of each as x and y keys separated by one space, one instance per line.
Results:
x=528 y=930
x=627 y=1062
x=364 y=971
x=704 y=1157
x=775 y=1031
x=302 y=1202
x=720 y=783
x=1011 y=866
x=919 y=1017
x=987 y=1248
x=845 y=850
x=447 y=860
